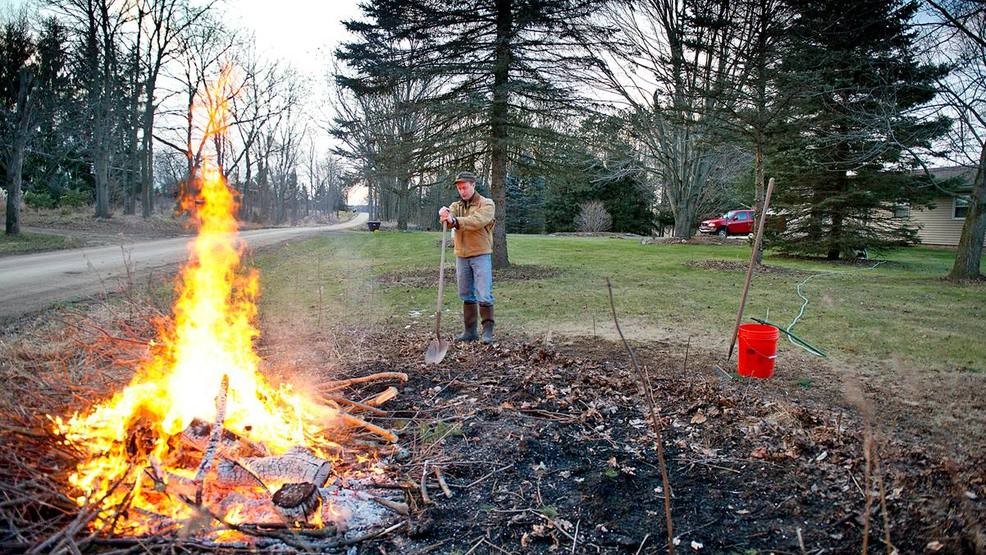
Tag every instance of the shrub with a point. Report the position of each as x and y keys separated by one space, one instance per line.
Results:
x=73 y=198
x=39 y=200
x=593 y=217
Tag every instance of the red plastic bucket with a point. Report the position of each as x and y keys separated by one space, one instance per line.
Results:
x=757 y=350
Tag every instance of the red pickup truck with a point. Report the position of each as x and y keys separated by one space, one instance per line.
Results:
x=734 y=222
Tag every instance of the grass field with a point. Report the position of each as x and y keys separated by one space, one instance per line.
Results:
x=900 y=309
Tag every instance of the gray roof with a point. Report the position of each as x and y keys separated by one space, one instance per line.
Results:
x=967 y=173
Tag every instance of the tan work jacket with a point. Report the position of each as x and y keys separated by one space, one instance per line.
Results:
x=474 y=222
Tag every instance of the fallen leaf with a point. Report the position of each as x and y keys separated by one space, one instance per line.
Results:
x=699 y=418
x=697 y=545
x=934 y=546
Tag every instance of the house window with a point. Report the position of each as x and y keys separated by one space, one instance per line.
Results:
x=902 y=210
x=960 y=207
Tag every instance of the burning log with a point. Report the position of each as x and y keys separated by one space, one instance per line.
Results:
x=295 y=466
x=196 y=438
x=297 y=502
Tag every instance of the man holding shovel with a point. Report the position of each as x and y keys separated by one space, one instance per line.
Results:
x=472 y=219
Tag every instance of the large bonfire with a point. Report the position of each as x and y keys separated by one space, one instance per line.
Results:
x=199 y=428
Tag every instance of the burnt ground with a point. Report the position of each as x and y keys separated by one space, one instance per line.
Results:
x=548 y=447
x=539 y=443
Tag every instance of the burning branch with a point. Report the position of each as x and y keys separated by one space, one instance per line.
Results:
x=217 y=430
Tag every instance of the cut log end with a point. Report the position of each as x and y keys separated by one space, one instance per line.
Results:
x=297 y=502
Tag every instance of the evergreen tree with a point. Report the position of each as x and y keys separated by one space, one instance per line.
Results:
x=845 y=163
x=498 y=59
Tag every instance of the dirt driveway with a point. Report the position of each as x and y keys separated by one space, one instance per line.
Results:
x=32 y=282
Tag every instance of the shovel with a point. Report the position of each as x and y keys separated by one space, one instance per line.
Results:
x=438 y=346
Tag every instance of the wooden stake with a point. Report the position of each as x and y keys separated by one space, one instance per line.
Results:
x=753 y=261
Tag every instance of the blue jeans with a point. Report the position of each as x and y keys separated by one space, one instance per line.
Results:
x=475 y=278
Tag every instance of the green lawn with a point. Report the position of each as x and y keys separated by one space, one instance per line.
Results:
x=901 y=309
x=35 y=242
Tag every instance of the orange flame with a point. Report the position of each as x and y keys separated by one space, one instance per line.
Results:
x=211 y=335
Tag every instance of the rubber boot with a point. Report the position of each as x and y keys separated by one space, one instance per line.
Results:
x=486 y=313
x=469 y=317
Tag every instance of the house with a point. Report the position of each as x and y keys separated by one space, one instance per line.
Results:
x=942 y=225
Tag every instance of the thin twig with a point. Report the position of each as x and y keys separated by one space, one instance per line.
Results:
x=867 y=446
x=649 y=391
x=424 y=488
x=883 y=502
x=441 y=481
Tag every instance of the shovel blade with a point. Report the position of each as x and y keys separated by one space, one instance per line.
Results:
x=436 y=351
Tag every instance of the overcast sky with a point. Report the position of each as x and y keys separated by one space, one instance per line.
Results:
x=302 y=32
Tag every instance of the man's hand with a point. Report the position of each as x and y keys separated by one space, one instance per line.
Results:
x=445 y=216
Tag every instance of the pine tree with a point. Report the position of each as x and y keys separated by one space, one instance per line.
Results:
x=846 y=163
x=498 y=59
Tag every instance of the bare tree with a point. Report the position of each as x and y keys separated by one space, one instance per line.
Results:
x=961 y=37
x=17 y=48
x=161 y=23
x=678 y=72
x=260 y=104
x=200 y=52
x=98 y=24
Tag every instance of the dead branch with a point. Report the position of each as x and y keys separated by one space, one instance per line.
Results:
x=441 y=481
x=655 y=422
x=382 y=397
x=336 y=385
x=358 y=423
x=424 y=486
x=356 y=405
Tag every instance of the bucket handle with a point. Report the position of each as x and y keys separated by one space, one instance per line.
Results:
x=771 y=357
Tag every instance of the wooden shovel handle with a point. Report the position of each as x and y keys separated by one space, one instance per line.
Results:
x=441 y=284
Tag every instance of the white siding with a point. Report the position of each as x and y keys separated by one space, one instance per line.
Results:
x=937 y=226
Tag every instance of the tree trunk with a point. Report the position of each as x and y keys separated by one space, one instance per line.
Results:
x=684 y=218
x=15 y=159
x=498 y=124
x=759 y=192
x=402 y=209
x=245 y=197
x=15 y=164
x=131 y=185
x=835 y=238
x=147 y=158
x=970 y=249
x=101 y=171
